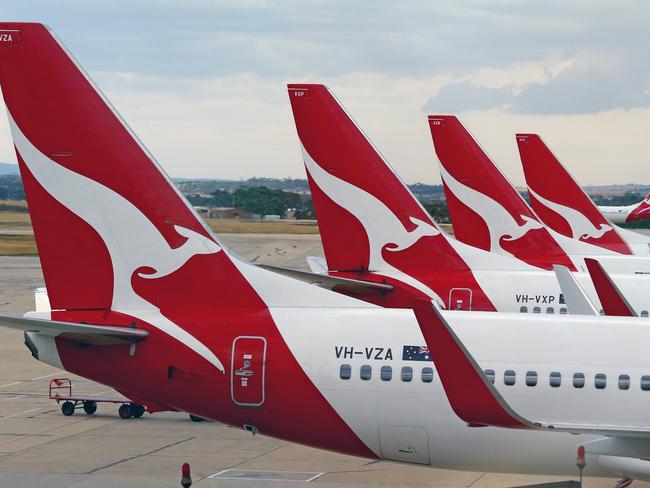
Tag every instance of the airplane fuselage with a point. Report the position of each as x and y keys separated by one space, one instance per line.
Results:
x=360 y=381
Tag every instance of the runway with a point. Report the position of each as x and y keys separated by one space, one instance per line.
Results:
x=39 y=447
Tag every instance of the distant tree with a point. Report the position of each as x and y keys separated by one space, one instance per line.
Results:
x=438 y=210
x=264 y=201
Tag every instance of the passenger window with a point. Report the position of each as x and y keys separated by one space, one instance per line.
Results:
x=427 y=375
x=366 y=372
x=644 y=313
x=537 y=310
x=550 y=310
x=579 y=380
x=509 y=377
x=645 y=383
x=555 y=379
x=489 y=373
x=623 y=382
x=531 y=378
x=563 y=311
x=600 y=381
x=386 y=373
x=345 y=372
x=407 y=373
x=523 y=309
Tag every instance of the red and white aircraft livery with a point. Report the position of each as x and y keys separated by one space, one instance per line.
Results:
x=564 y=207
x=624 y=214
x=489 y=213
x=146 y=299
x=375 y=231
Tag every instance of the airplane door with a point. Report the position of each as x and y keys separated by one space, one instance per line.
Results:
x=247 y=371
x=460 y=299
x=404 y=443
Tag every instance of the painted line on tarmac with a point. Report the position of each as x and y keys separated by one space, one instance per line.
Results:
x=144 y=454
x=11 y=384
x=16 y=397
x=20 y=413
x=41 y=432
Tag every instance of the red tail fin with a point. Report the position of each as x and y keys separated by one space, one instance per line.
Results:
x=611 y=298
x=486 y=210
x=113 y=233
x=367 y=217
x=558 y=199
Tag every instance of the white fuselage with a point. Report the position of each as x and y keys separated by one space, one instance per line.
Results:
x=617 y=214
x=412 y=421
x=514 y=286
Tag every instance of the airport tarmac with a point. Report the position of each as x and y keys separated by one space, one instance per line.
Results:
x=39 y=447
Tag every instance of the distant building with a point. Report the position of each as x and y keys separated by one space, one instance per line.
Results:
x=227 y=213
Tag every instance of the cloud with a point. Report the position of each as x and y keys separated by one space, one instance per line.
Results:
x=588 y=83
x=203 y=81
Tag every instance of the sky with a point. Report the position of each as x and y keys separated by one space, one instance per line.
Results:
x=203 y=83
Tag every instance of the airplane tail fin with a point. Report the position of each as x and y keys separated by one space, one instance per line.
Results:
x=559 y=201
x=485 y=209
x=368 y=218
x=112 y=231
x=356 y=194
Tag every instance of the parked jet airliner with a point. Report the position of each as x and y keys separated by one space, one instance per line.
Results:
x=147 y=300
x=374 y=230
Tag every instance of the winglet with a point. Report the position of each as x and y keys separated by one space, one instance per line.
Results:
x=472 y=397
x=611 y=298
x=576 y=299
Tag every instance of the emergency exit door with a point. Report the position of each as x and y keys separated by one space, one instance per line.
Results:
x=247 y=371
x=460 y=299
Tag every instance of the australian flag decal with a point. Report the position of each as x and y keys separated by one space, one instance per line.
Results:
x=415 y=353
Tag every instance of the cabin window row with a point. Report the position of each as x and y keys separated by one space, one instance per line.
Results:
x=531 y=378
x=386 y=373
x=549 y=310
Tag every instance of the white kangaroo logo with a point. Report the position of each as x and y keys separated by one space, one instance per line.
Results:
x=498 y=220
x=133 y=242
x=581 y=226
x=383 y=228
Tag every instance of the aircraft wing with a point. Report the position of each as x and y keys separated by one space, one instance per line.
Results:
x=474 y=399
x=94 y=335
x=334 y=283
x=576 y=299
x=611 y=298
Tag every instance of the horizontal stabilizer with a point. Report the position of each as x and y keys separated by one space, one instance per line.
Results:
x=575 y=297
x=94 y=335
x=332 y=282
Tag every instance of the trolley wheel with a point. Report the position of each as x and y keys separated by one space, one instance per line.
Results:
x=125 y=411
x=196 y=418
x=137 y=410
x=90 y=407
x=67 y=408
